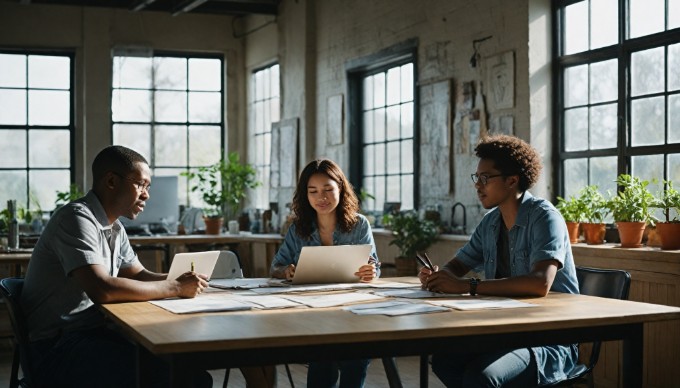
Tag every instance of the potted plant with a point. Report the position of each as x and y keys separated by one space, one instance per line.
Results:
x=410 y=235
x=631 y=209
x=595 y=211
x=223 y=186
x=64 y=197
x=573 y=212
x=669 y=229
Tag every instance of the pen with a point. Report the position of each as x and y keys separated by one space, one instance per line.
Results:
x=427 y=258
x=427 y=264
x=192 y=266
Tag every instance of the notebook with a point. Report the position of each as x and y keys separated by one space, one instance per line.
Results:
x=330 y=264
x=204 y=262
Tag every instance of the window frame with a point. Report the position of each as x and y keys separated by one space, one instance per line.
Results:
x=252 y=130
x=621 y=52
x=222 y=123
x=356 y=70
x=71 y=127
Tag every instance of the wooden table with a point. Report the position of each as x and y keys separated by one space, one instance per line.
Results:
x=16 y=259
x=233 y=339
x=255 y=250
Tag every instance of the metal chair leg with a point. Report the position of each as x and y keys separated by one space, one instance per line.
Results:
x=392 y=372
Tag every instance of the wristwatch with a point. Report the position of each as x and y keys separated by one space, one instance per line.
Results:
x=473 y=285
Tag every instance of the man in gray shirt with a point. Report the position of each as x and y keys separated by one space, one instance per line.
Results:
x=84 y=258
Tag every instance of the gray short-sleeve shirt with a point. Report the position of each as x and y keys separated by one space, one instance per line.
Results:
x=78 y=234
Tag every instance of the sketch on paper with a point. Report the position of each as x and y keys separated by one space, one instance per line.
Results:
x=501 y=80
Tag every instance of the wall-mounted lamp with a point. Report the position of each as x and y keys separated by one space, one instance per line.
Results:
x=474 y=59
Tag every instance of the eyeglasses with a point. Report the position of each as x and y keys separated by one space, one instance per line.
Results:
x=140 y=186
x=483 y=178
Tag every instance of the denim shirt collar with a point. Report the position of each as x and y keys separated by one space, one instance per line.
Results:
x=522 y=219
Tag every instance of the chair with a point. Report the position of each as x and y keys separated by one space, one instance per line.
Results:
x=11 y=293
x=605 y=283
x=228 y=266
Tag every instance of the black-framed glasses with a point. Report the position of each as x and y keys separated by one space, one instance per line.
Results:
x=483 y=178
x=140 y=186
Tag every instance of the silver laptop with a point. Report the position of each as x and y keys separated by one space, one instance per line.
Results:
x=203 y=262
x=330 y=264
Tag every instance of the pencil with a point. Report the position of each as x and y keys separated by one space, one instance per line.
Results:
x=192 y=266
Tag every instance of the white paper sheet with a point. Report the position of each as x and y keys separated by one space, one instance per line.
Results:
x=265 y=301
x=330 y=300
x=394 y=308
x=411 y=294
x=202 y=303
x=316 y=287
x=480 y=303
x=239 y=283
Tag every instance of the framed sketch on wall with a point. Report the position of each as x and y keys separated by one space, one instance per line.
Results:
x=284 y=152
x=500 y=71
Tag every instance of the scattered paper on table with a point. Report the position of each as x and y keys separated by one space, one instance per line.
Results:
x=265 y=301
x=330 y=300
x=394 y=308
x=239 y=283
x=308 y=288
x=411 y=294
x=480 y=303
x=205 y=303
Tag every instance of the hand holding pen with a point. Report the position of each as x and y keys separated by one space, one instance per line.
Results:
x=427 y=269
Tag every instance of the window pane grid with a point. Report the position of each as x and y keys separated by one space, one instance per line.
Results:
x=263 y=111
x=36 y=127
x=388 y=137
x=169 y=109
x=591 y=105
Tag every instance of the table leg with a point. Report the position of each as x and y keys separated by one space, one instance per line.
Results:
x=145 y=364
x=632 y=357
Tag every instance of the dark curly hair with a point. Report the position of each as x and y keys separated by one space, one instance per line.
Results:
x=512 y=156
x=304 y=213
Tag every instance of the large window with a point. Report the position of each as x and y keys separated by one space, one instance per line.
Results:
x=383 y=137
x=36 y=127
x=264 y=110
x=169 y=108
x=618 y=91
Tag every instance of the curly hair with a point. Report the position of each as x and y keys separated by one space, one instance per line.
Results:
x=512 y=156
x=304 y=213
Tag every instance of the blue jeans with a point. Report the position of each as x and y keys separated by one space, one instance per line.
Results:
x=97 y=357
x=515 y=368
x=325 y=374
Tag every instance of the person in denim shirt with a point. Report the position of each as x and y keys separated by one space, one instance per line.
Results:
x=522 y=247
x=325 y=210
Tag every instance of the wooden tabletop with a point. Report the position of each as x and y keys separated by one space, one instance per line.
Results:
x=162 y=332
x=182 y=239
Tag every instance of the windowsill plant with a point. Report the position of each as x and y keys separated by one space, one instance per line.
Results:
x=573 y=212
x=631 y=209
x=669 y=228
x=596 y=210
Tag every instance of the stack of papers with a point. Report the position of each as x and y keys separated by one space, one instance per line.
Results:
x=480 y=303
x=394 y=308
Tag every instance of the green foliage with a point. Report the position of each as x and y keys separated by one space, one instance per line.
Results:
x=573 y=210
x=633 y=202
x=668 y=200
x=594 y=203
x=223 y=185
x=411 y=234
x=64 y=197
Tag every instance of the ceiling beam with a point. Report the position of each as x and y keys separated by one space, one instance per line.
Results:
x=139 y=5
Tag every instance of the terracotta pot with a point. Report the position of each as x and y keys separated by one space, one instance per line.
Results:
x=631 y=233
x=213 y=225
x=406 y=266
x=594 y=233
x=669 y=232
x=572 y=228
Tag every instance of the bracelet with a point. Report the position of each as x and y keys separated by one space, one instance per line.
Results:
x=473 y=285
